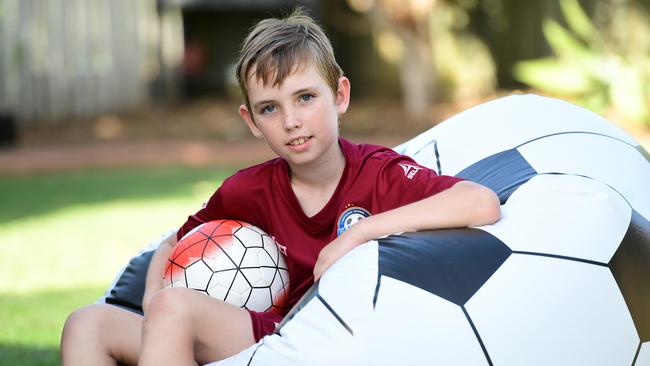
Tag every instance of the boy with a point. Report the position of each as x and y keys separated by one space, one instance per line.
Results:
x=294 y=95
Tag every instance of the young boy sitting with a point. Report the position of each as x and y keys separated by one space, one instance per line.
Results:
x=294 y=94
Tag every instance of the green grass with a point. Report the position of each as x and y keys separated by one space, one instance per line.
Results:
x=32 y=323
x=64 y=236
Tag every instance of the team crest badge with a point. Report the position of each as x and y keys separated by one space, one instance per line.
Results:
x=350 y=217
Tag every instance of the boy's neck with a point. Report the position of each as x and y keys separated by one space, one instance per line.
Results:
x=314 y=185
x=322 y=173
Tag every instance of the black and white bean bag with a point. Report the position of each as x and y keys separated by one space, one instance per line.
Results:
x=562 y=279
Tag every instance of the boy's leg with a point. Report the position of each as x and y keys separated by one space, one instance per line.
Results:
x=101 y=334
x=183 y=325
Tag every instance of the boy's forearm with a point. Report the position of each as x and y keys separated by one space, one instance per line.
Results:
x=463 y=205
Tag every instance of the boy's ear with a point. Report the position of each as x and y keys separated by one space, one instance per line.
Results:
x=246 y=115
x=342 y=98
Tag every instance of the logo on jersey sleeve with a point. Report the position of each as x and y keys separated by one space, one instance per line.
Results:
x=350 y=217
x=410 y=170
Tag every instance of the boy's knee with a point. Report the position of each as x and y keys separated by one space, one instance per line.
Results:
x=168 y=303
x=84 y=322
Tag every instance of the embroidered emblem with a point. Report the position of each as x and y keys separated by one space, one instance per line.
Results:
x=410 y=170
x=349 y=217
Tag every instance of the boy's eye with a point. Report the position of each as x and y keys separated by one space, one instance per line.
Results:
x=306 y=97
x=268 y=109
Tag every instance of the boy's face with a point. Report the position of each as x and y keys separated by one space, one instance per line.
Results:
x=299 y=119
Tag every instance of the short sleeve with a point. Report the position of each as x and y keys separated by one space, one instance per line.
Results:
x=400 y=181
x=212 y=210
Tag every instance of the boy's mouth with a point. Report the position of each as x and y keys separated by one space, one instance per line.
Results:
x=298 y=141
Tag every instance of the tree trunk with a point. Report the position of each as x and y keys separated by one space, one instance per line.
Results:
x=417 y=75
x=416 y=67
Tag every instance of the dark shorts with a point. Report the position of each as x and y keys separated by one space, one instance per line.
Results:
x=263 y=323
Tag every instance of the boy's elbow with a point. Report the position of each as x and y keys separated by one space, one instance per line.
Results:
x=487 y=208
x=492 y=209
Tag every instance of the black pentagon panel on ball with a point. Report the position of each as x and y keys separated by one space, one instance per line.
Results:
x=452 y=264
x=629 y=265
x=502 y=172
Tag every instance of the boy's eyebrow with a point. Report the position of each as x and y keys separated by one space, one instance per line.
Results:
x=256 y=105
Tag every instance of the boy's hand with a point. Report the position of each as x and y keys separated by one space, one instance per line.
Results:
x=333 y=251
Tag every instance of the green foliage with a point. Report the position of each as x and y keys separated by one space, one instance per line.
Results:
x=591 y=68
x=465 y=69
x=63 y=239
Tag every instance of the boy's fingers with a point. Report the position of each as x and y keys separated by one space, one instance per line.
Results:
x=319 y=268
x=317 y=272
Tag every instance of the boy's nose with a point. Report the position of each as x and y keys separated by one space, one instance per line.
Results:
x=291 y=121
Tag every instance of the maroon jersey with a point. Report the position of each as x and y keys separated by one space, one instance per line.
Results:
x=375 y=179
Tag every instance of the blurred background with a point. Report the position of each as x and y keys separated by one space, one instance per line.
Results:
x=118 y=118
x=102 y=70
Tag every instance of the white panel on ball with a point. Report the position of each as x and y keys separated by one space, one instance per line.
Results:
x=235 y=249
x=643 y=359
x=435 y=330
x=219 y=262
x=281 y=277
x=358 y=271
x=250 y=237
x=260 y=299
x=564 y=215
x=605 y=159
x=300 y=344
x=547 y=311
x=267 y=276
x=239 y=291
x=254 y=276
x=271 y=247
x=220 y=283
x=505 y=123
x=198 y=275
x=257 y=257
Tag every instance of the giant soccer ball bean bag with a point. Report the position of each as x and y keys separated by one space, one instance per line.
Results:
x=562 y=279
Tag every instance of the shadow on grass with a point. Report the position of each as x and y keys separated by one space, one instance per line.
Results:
x=23 y=196
x=31 y=323
x=29 y=356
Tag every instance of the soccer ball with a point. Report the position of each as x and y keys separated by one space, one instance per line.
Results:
x=232 y=261
x=562 y=279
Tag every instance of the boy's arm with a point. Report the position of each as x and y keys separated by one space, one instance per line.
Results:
x=464 y=204
x=154 y=280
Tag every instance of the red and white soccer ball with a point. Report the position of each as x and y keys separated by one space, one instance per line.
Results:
x=232 y=261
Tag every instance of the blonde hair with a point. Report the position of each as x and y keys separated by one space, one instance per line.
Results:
x=276 y=47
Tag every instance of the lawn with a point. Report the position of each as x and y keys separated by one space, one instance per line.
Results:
x=64 y=236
